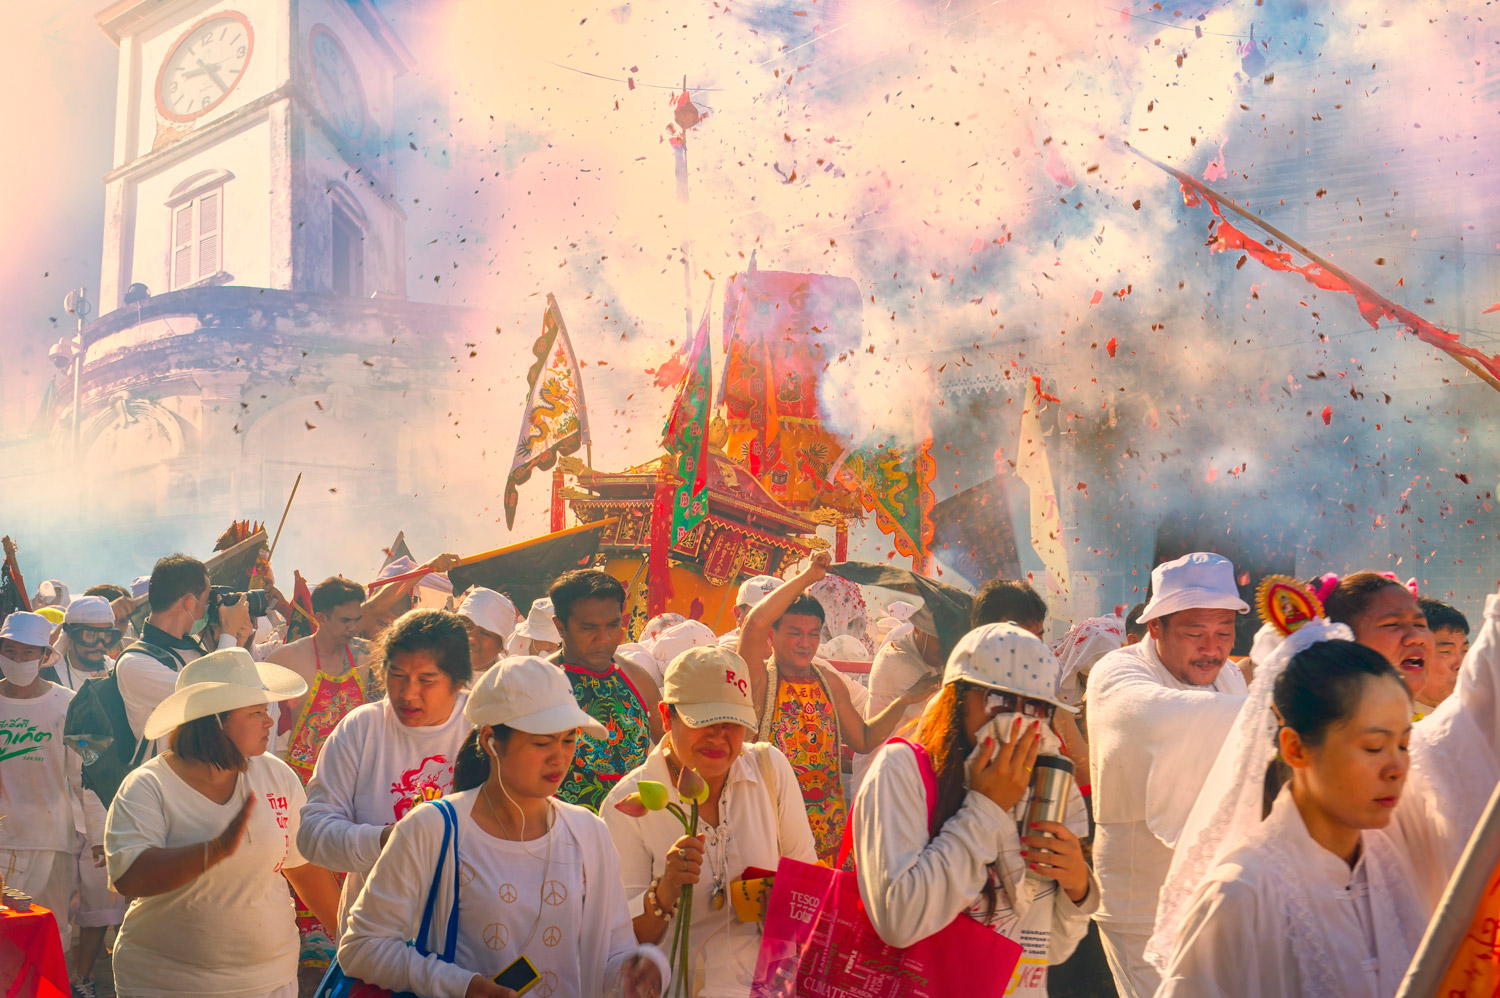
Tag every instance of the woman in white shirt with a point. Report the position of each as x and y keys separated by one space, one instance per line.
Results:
x=386 y=757
x=998 y=697
x=1328 y=893
x=200 y=837
x=538 y=878
x=754 y=815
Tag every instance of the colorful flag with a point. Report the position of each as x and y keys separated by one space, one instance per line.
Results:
x=686 y=436
x=781 y=331
x=556 y=420
x=1046 y=518
x=894 y=480
x=300 y=622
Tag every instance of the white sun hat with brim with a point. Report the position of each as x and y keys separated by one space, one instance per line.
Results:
x=709 y=685
x=222 y=680
x=538 y=625
x=529 y=694
x=31 y=629
x=1008 y=658
x=1197 y=581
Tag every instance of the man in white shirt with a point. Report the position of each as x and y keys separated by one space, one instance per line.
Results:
x=88 y=630
x=178 y=593
x=1158 y=712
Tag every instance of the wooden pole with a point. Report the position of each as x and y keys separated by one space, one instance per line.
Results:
x=1326 y=264
x=270 y=554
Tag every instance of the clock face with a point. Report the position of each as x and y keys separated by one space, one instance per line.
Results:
x=337 y=83
x=204 y=66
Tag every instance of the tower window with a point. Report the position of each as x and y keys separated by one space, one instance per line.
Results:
x=197 y=238
x=348 y=254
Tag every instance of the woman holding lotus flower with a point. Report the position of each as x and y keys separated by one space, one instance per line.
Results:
x=704 y=819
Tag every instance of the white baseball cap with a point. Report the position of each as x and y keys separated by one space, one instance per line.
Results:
x=1197 y=581
x=1007 y=657
x=538 y=625
x=222 y=680
x=709 y=685
x=90 y=611
x=755 y=589
x=489 y=611
x=678 y=638
x=528 y=694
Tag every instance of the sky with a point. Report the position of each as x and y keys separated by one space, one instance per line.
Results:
x=972 y=166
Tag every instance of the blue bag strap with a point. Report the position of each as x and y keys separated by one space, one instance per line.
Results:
x=449 y=832
x=450 y=947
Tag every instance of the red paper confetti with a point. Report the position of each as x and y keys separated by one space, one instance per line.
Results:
x=1327 y=415
x=1110 y=346
x=1098 y=297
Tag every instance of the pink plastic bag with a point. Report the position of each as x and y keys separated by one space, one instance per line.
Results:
x=819 y=943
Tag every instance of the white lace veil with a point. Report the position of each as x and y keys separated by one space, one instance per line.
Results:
x=1229 y=807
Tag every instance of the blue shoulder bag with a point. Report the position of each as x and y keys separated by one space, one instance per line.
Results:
x=337 y=984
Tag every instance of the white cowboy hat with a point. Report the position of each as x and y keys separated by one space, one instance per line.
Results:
x=223 y=680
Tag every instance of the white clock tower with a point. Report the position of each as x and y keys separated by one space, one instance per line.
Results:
x=250 y=148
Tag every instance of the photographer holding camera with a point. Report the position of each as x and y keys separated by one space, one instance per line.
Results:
x=188 y=618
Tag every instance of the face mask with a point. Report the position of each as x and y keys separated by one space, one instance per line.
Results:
x=200 y=623
x=20 y=673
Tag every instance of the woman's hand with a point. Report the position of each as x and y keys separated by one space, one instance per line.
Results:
x=1054 y=851
x=1003 y=774
x=642 y=978
x=684 y=866
x=483 y=987
x=229 y=839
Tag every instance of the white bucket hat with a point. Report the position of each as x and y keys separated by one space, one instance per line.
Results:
x=709 y=685
x=90 y=611
x=222 y=680
x=528 y=694
x=29 y=629
x=755 y=589
x=538 y=625
x=489 y=611
x=1197 y=581
x=1010 y=658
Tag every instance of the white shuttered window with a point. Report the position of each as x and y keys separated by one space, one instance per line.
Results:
x=197 y=238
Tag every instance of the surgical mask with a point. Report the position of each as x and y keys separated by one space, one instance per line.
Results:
x=200 y=623
x=20 y=673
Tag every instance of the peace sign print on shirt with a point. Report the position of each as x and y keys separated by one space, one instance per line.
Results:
x=546 y=985
x=551 y=935
x=554 y=892
x=465 y=874
x=496 y=935
x=508 y=893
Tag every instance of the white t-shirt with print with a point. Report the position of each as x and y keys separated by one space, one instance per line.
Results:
x=371 y=772
x=230 y=932
x=39 y=778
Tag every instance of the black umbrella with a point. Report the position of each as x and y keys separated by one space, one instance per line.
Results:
x=949 y=604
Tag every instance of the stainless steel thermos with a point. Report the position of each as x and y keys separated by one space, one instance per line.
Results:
x=1051 y=785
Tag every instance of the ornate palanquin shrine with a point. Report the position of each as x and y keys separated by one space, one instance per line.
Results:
x=746 y=532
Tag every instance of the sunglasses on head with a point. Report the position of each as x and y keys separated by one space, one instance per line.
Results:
x=996 y=702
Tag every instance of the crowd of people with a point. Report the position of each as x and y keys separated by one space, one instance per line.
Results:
x=464 y=801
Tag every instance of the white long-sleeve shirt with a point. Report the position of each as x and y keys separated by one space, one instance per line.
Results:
x=493 y=924
x=758 y=824
x=371 y=772
x=1152 y=741
x=914 y=884
x=1281 y=917
x=144 y=682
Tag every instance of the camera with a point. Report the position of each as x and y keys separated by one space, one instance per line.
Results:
x=258 y=602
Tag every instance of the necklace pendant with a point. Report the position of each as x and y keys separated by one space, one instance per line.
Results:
x=717 y=898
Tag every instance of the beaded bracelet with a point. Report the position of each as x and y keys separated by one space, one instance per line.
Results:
x=653 y=901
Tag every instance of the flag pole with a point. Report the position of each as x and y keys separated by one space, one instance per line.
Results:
x=270 y=554
x=1332 y=268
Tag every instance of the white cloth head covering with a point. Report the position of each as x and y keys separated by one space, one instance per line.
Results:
x=676 y=639
x=50 y=593
x=140 y=586
x=403 y=565
x=844 y=648
x=1080 y=648
x=489 y=610
x=1009 y=658
x=222 y=680
x=538 y=625
x=528 y=694
x=1230 y=805
x=91 y=611
x=1197 y=581
x=637 y=654
x=657 y=624
x=845 y=612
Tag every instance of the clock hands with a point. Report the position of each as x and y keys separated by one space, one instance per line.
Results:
x=212 y=74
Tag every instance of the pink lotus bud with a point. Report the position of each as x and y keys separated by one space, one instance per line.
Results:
x=691 y=786
x=632 y=806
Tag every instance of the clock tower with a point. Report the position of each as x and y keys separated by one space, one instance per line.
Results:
x=250 y=148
